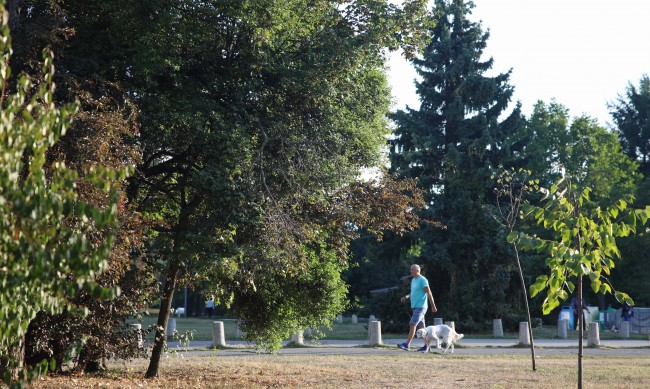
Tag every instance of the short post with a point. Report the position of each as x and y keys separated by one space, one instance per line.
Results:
x=354 y=319
x=218 y=336
x=437 y=321
x=562 y=327
x=371 y=318
x=137 y=328
x=451 y=324
x=171 y=326
x=497 y=328
x=594 y=335
x=524 y=336
x=374 y=333
x=625 y=329
x=339 y=319
x=298 y=337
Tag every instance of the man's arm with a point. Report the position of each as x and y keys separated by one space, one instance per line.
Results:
x=433 y=304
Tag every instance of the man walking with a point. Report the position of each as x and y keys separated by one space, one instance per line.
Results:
x=419 y=293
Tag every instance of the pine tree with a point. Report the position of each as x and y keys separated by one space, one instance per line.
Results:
x=631 y=113
x=452 y=144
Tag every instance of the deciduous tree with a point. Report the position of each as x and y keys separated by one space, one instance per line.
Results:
x=583 y=244
x=47 y=249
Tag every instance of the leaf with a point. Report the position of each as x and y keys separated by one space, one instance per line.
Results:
x=595 y=285
x=536 y=288
x=549 y=305
x=512 y=237
x=605 y=288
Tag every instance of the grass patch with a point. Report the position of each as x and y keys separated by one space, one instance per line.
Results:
x=367 y=371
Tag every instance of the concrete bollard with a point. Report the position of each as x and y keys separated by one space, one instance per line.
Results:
x=137 y=328
x=339 y=319
x=437 y=321
x=354 y=319
x=594 y=335
x=562 y=327
x=497 y=328
x=524 y=336
x=371 y=318
x=451 y=324
x=218 y=335
x=374 y=330
x=171 y=326
x=625 y=329
x=297 y=337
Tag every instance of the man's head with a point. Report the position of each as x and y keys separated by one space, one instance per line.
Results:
x=415 y=270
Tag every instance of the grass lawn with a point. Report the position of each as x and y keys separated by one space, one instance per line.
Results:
x=399 y=370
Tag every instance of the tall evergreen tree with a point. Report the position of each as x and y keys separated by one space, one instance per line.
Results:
x=631 y=113
x=451 y=144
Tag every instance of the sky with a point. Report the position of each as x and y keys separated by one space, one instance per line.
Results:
x=583 y=53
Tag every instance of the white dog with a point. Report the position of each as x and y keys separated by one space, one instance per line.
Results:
x=440 y=332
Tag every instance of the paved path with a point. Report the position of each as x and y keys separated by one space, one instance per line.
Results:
x=467 y=346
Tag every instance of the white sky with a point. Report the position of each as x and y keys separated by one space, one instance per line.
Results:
x=580 y=52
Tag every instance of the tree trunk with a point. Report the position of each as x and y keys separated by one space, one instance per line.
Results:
x=163 y=315
x=580 y=332
x=530 y=323
x=12 y=6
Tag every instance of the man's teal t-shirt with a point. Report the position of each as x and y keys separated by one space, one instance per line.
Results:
x=418 y=295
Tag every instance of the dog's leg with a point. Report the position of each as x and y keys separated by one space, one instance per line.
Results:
x=447 y=343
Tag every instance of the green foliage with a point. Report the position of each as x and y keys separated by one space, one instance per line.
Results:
x=45 y=232
x=460 y=133
x=103 y=134
x=580 y=148
x=280 y=303
x=583 y=241
x=631 y=114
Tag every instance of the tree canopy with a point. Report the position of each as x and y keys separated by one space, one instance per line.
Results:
x=460 y=133
x=48 y=237
x=631 y=114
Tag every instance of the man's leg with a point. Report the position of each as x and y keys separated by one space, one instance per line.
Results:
x=411 y=334
x=416 y=319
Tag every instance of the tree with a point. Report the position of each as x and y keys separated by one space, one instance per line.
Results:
x=583 y=244
x=47 y=249
x=581 y=148
x=512 y=188
x=452 y=144
x=103 y=133
x=631 y=114
x=253 y=116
